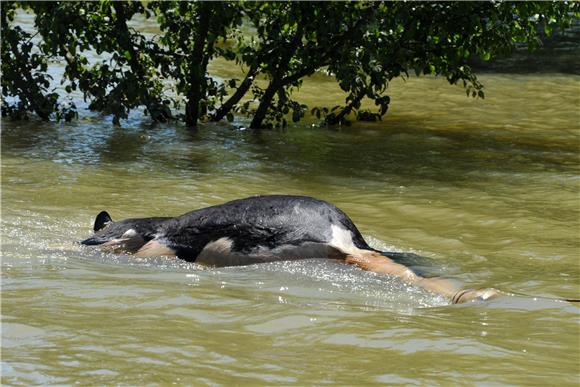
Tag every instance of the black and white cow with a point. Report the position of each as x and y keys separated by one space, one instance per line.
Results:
x=262 y=229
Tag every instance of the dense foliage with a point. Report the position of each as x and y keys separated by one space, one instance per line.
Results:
x=363 y=45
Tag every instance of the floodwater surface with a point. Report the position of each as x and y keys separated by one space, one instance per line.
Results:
x=486 y=190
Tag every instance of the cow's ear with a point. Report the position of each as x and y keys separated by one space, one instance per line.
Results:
x=102 y=220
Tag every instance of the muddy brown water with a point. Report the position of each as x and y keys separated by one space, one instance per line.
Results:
x=487 y=191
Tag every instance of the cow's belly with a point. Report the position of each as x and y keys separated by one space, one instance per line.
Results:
x=221 y=253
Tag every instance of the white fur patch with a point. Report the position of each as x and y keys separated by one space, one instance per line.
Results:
x=218 y=253
x=154 y=248
x=129 y=233
x=342 y=240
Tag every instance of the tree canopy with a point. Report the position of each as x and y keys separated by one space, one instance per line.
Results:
x=363 y=45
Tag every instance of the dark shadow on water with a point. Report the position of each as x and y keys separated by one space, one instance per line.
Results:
x=557 y=53
x=404 y=150
x=367 y=151
x=123 y=146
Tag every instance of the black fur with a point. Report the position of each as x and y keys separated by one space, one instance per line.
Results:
x=268 y=221
x=102 y=220
x=261 y=221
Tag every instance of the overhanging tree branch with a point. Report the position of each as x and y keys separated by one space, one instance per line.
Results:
x=227 y=106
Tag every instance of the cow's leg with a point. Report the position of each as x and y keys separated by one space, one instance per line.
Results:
x=375 y=262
